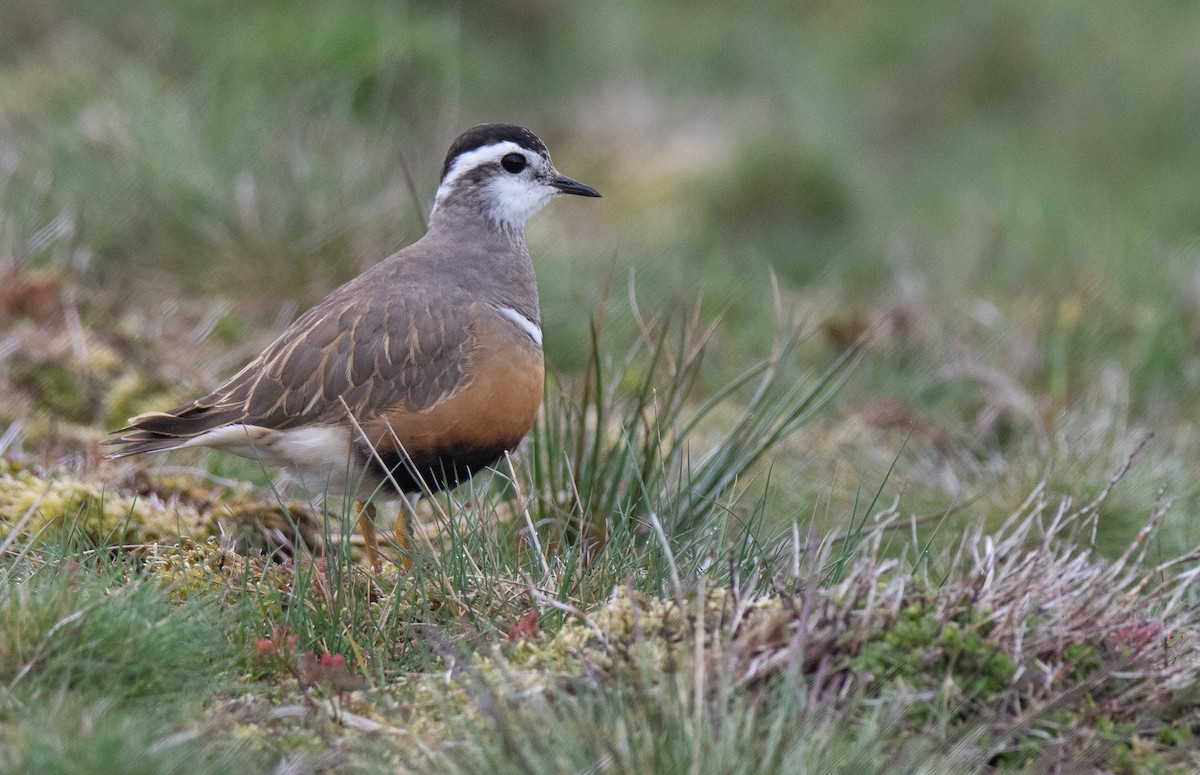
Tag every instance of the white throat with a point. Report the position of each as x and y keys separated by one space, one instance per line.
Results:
x=512 y=200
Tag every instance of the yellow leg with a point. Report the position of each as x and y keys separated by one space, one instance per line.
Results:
x=404 y=532
x=366 y=525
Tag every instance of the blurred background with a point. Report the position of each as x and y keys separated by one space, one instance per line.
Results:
x=1002 y=197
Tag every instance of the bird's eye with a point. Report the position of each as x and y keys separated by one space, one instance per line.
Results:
x=513 y=162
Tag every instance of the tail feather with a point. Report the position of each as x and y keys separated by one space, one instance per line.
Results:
x=160 y=431
x=136 y=444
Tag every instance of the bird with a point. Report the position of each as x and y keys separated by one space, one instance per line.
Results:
x=411 y=377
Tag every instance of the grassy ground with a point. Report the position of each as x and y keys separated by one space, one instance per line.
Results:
x=883 y=456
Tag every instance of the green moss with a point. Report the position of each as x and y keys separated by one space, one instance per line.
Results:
x=1174 y=735
x=919 y=650
x=1083 y=659
x=1131 y=752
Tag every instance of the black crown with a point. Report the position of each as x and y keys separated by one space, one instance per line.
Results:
x=489 y=134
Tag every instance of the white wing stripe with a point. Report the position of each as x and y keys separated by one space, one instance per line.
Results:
x=524 y=323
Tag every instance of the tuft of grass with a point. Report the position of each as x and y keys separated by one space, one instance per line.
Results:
x=92 y=628
x=74 y=737
x=666 y=727
x=628 y=447
x=99 y=668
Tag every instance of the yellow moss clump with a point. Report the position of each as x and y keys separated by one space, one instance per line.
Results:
x=144 y=510
x=634 y=630
x=190 y=568
x=35 y=504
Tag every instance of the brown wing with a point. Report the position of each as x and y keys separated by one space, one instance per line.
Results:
x=471 y=427
x=371 y=350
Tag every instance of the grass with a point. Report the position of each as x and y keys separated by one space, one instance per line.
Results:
x=99 y=668
x=649 y=620
x=918 y=501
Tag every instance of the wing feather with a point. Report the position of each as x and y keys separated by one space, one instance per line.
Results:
x=342 y=348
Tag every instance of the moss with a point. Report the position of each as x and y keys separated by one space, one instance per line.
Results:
x=189 y=569
x=637 y=631
x=921 y=650
x=64 y=503
x=1083 y=659
x=1134 y=752
x=633 y=631
x=145 y=510
x=1175 y=735
x=1142 y=745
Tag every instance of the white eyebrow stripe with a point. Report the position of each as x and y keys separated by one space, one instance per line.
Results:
x=524 y=323
x=472 y=159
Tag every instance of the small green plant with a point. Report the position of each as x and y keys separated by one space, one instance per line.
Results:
x=632 y=453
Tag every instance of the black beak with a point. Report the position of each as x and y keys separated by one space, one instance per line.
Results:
x=568 y=186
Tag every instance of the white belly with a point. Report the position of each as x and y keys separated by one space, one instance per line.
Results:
x=318 y=458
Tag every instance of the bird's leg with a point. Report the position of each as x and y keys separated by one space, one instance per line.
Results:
x=366 y=525
x=404 y=531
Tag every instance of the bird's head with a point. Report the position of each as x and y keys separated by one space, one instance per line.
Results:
x=505 y=172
